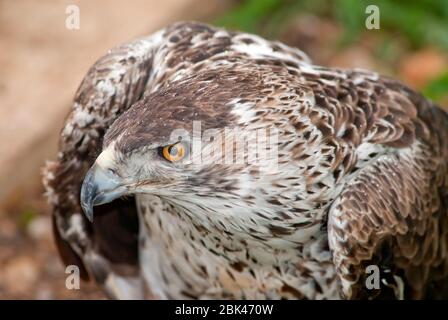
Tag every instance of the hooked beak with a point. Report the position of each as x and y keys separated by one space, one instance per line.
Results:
x=99 y=187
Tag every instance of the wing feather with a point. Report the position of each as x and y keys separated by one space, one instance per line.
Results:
x=106 y=250
x=393 y=211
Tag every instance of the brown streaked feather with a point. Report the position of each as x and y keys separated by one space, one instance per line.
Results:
x=394 y=211
x=112 y=84
x=361 y=151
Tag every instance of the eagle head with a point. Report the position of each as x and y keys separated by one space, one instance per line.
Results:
x=179 y=144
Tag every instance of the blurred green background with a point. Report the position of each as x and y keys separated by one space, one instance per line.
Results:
x=411 y=44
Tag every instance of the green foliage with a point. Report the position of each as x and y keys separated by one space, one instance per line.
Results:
x=249 y=14
x=26 y=216
x=404 y=24
x=437 y=88
x=265 y=17
x=350 y=13
x=421 y=22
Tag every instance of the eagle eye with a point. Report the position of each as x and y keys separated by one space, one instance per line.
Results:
x=174 y=152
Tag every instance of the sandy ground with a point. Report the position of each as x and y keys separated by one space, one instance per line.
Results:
x=29 y=265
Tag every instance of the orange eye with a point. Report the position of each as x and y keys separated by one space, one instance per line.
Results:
x=174 y=152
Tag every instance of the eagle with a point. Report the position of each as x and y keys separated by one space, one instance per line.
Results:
x=355 y=177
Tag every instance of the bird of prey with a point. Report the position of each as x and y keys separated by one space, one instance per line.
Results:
x=360 y=181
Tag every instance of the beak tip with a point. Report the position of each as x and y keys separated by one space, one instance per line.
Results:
x=98 y=188
x=87 y=208
x=88 y=212
x=88 y=191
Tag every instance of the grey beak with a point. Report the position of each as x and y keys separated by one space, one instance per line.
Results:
x=99 y=187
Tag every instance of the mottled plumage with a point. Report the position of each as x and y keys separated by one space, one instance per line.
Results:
x=362 y=175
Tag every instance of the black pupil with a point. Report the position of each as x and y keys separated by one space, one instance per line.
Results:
x=173 y=151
